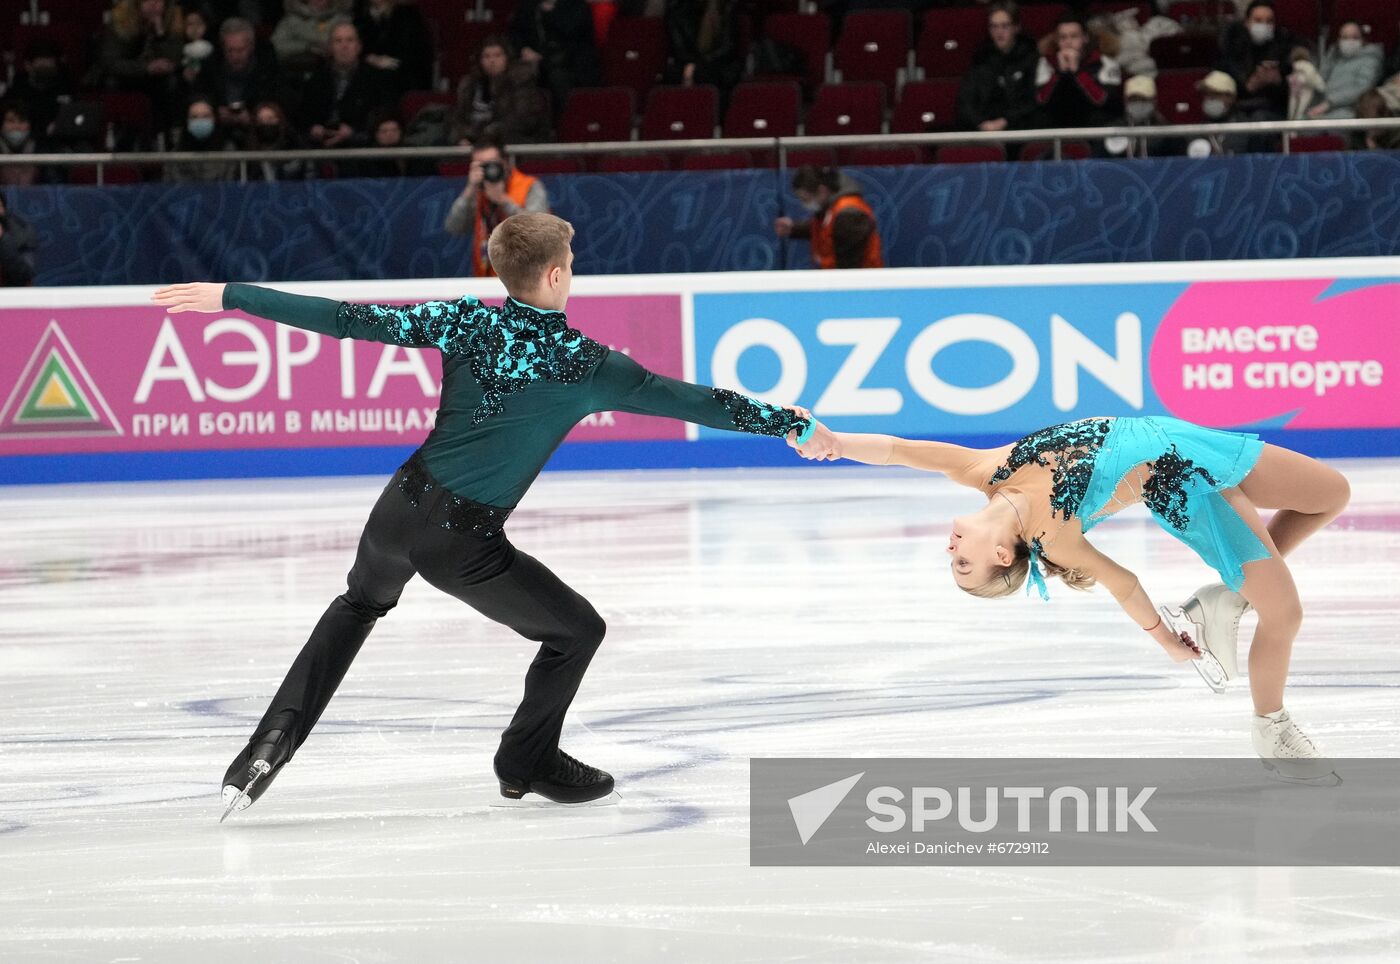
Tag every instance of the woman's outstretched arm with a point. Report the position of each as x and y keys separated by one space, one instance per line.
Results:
x=961 y=464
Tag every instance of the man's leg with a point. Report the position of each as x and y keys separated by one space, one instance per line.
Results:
x=517 y=590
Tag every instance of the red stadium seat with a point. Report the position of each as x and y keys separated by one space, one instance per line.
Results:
x=847 y=109
x=1379 y=19
x=948 y=40
x=415 y=100
x=680 y=113
x=808 y=32
x=550 y=165
x=129 y=111
x=1184 y=50
x=716 y=161
x=883 y=156
x=635 y=53
x=1299 y=16
x=1177 y=97
x=926 y=105
x=627 y=163
x=458 y=47
x=1317 y=143
x=811 y=157
x=874 y=45
x=759 y=109
x=970 y=154
x=111 y=174
x=597 y=114
x=1045 y=151
x=1038 y=21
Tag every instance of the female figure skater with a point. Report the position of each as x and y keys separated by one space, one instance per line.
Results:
x=1204 y=486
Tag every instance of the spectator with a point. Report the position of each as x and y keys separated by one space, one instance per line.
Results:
x=240 y=76
x=556 y=38
x=495 y=190
x=500 y=99
x=704 y=43
x=17 y=137
x=1258 y=55
x=1218 y=100
x=841 y=228
x=1076 y=86
x=1140 y=110
x=1349 y=69
x=271 y=131
x=197 y=48
x=397 y=42
x=43 y=83
x=17 y=244
x=202 y=134
x=302 y=35
x=387 y=131
x=997 y=93
x=141 y=50
x=342 y=94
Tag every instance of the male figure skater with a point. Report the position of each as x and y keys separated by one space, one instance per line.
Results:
x=515 y=381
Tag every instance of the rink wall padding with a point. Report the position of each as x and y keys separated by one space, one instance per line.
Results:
x=97 y=384
x=1078 y=212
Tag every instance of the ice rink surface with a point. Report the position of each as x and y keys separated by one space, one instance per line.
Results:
x=143 y=627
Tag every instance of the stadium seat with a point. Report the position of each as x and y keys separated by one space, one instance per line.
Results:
x=635 y=53
x=415 y=100
x=970 y=154
x=1379 y=19
x=763 y=109
x=680 y=113
x=716 y=161
x=874 y=45
x=883 y=156
x=1316 y=143
x=948 y=39
x=1184 y=50
x=1037 y=21
x=1178 y=100
x=809 y=33
x=129 y=111
x=811 y=157
x=926 y=105
x=550 y=165
x=628 y=163
x=1045 y=150
x=597 y=114
x=1299 y=16
x=847 y=109
x=458 y=47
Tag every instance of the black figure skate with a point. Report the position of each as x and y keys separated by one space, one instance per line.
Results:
x=253 y=770
x=568 y=781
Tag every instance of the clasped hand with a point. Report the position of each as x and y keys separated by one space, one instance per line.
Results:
x=823 y=446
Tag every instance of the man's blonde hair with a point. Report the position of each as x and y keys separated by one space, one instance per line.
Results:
x=526 y=245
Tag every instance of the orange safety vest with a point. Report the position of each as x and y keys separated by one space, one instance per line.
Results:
x=822 y=251
x=488 y=216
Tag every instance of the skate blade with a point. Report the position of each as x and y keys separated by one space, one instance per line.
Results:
x=1282 y=775
x=1207 y=666
x=236 y=799
x=533 y=801
x=1211 y=671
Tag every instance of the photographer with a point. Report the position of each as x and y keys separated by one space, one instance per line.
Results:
x=495 y=190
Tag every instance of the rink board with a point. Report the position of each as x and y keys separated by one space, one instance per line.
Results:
x=97 y=384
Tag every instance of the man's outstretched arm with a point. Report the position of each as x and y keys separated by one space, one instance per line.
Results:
x=432 y=323
x=619 y=384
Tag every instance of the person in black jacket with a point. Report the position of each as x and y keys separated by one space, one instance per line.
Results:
x=1258 y=54
x=397 y=43
x=17 y=246
x=703 y=39
x=998 y=93
x=241 y=75
x=556 y=36
x=1076 y=86
x=342 y=94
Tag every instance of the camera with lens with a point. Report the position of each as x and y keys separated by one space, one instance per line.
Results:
x=493 y=172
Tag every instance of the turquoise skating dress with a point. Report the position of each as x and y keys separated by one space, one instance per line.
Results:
x=1187 y=467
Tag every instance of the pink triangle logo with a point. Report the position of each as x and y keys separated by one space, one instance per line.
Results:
x=55 y=396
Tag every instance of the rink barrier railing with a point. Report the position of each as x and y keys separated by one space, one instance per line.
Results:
x=779 y=145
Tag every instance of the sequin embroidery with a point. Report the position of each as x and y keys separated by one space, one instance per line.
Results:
x=1164 y=492
x=460 y=515
x=1073 y=446
x=758 y=418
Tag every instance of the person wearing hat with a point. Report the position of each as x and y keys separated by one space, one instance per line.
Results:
x=1218 y=99
x=1140 y=110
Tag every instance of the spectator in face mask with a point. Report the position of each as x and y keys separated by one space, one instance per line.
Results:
x=270 y=131
x=1218 y=95
x=841 y=226
x=1140 y=110
x=17 y=137
x=1349 y=69
x=202 y=134
x=1257 y=53
x=42 y=85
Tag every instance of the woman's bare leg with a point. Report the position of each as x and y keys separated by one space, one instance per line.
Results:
x=1306 y=493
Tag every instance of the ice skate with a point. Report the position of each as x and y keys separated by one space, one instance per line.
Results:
x=253 y=770
x=1289 y=754
x=1208 y=666
x=1217 y=610
x=570 y=782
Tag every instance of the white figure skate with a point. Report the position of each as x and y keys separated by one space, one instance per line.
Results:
x=1290 y=754
x=1217 y=610
x=1208 y=666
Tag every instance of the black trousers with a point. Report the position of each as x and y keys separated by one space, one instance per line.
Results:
x=488 y=574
